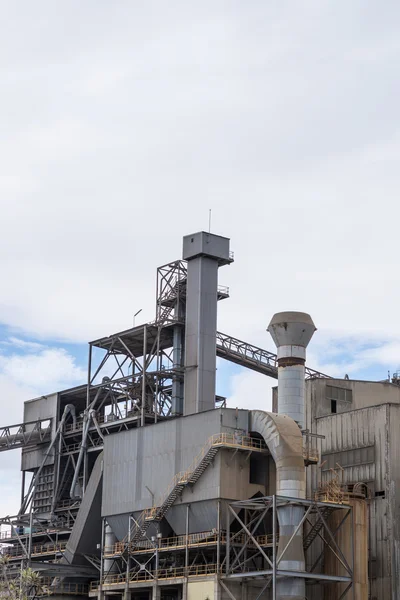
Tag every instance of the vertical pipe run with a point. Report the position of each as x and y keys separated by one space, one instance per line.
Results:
x=30 y=532
x=187 y=538
x=89 y=376
x=142 y=420
x=22 y=487
x=218 y=535
x=291 y=332
x=103 y=529
x=128 y=562
x=228 y=541
x=274 y=547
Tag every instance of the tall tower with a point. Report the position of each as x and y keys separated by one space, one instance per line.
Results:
x=204 y=252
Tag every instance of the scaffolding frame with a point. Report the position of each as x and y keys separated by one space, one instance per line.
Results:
x=253 y=513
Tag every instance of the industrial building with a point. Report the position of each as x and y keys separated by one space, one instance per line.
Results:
x=140 y=484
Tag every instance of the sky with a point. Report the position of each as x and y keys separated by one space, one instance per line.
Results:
x=123 y=123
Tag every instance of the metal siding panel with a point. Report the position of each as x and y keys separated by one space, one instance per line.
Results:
x=151 y=456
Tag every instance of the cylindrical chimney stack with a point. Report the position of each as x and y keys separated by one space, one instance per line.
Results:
x=291 y=332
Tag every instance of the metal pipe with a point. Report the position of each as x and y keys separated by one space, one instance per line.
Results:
x=103 y=529
x=128 y=557
x=142 y=420
x=218 y=535
x=86 y=423
x=23 y=487
x=228 y=541
x=30 y=533
x=274 y=547
x=291 y=332
x=89 y=415
x=89 y=376
x=187 y=537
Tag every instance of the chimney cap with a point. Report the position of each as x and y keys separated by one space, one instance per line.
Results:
x=291 y=328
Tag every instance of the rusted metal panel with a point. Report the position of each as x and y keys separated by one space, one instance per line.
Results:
x=359 y=524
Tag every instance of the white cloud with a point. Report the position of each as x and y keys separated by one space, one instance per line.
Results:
x=25 y=345
x=250 y=390
x=22 y=377
x=51 y=368
x=119 y=143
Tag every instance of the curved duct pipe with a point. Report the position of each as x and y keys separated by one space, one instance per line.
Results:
x=285 y=442
x=291 y=332
x=68 y=410
x=89 y=415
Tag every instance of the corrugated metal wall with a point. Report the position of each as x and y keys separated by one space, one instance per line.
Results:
x=352 y=438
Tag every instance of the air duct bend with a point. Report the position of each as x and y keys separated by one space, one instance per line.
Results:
x=285 y=442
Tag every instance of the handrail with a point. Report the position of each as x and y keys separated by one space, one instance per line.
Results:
x=193 y=540
x=144 y=575
x=229 y=440
x=4 y=535
x=16 y=551
x=74 y=589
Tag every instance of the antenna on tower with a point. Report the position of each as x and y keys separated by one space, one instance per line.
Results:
x=209 y=220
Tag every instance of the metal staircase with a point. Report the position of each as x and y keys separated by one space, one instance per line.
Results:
x=312 y=534
x=192 y=475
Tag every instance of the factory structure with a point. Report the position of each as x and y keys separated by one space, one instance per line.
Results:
x=141 y=484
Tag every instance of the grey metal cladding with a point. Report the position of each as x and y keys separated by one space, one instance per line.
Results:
x=140 y=464
x=86 y=532
x=205 y=244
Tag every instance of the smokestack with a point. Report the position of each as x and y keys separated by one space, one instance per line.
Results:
x=204 y=253
x=291 y=332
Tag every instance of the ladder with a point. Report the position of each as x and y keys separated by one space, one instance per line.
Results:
x=312 y=534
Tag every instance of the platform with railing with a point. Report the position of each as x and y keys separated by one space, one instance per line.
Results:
x=194 y=540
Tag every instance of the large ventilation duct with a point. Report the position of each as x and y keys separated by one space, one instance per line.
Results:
x=291 y=332
x=285 y=442
x=204 y=253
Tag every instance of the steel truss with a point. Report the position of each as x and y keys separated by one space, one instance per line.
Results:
x=245 y=520
x=24 y=435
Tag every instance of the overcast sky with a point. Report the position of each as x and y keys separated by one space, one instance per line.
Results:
x=123 y=122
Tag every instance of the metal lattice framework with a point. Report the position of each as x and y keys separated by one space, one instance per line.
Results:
x=254 y=562
x=25 y=434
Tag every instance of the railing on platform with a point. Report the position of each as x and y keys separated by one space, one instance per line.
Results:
x=39 y=550
x=218 y=440
x=144 y=575
x=180 y=542
x=73 y=589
